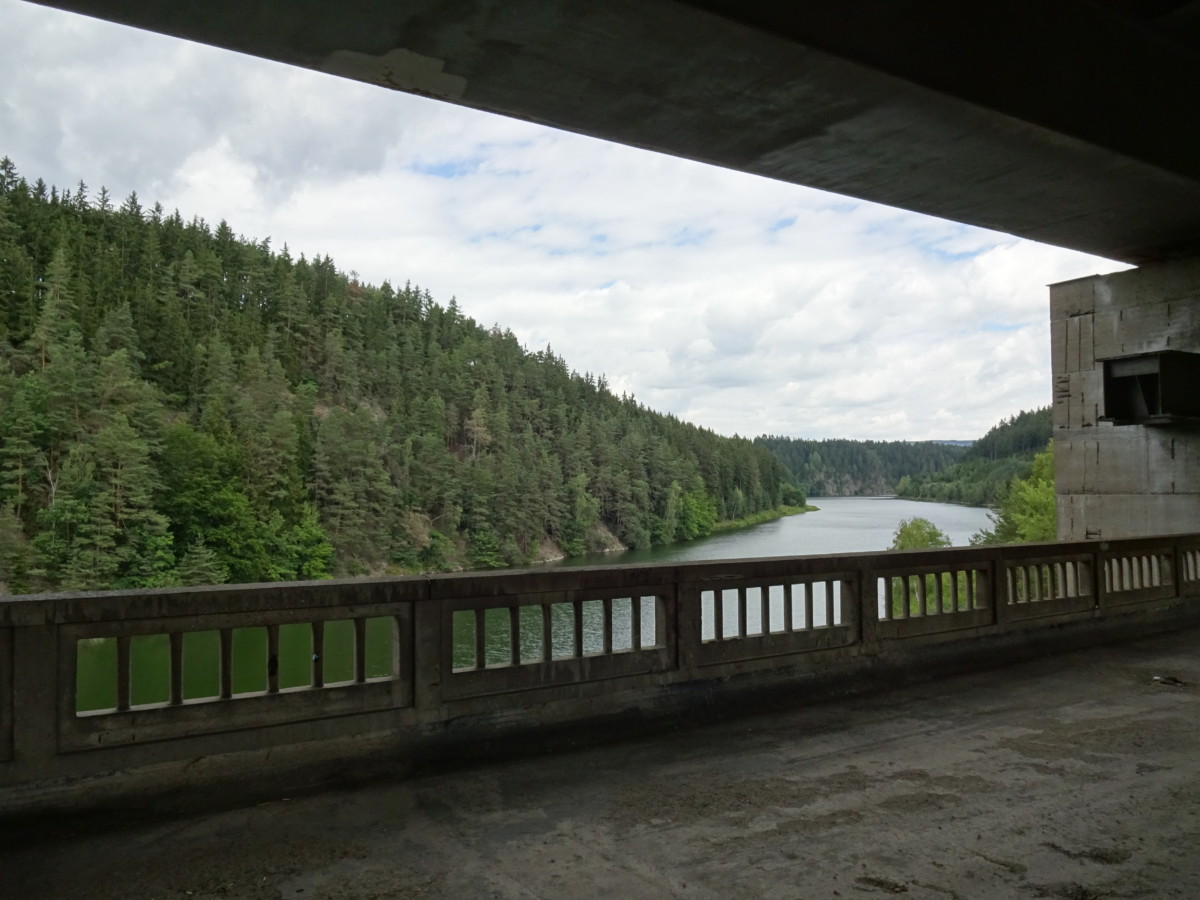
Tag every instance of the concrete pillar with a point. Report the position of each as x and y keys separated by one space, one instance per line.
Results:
x=39 y=677
x=1115 y=481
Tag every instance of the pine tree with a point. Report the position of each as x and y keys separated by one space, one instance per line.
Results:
x=117 y=333
x=200 y=565
x=22 y=459
x=15 y=553
x=124 y=541
x=17 y=298
x=58 y=318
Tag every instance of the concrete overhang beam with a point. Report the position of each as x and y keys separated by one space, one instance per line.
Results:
x=1068 y=122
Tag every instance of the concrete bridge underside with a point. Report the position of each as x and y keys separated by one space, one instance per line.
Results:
x=1065 y=121
x=1068 y=777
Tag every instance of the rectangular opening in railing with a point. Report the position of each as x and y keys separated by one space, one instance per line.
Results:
x=139 y=671
x=525 y=641
x=1135 y=577
x=544 y=632
x=1189 y=567
x=930 y=599
x=1047 y=586
x=930 y=593
x=753 y=611
x=146 y=679
x=743 y=618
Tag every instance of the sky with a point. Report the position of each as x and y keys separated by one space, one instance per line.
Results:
x=741 y=304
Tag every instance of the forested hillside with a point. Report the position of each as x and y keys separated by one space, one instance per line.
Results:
x=989 y=467
x=845 y=468
x=181 y=405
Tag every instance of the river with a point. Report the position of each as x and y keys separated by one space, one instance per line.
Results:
x=841 y=525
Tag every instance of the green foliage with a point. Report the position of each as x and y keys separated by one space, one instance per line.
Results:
x=988 y=469
x=1027 y=513
x=308 y=551
x=485 y=550
x=15 y=554
x=758 y=518
x=697 y=516
x=180 y=405
x=1021 y=435
x=200 y=565
x=844 y=468
x=793 y=495
x=918 y=534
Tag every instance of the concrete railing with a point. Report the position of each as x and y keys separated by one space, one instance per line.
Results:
x=108 y=696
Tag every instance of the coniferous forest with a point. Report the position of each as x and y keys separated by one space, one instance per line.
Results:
x=180 y=405
x=847 y=468
x=988 y=469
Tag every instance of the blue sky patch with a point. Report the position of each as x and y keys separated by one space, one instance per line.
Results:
x=449 y=168
x=950 y=256
x=690 y=237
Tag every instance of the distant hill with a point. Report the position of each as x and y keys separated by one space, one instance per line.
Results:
x=983 y=475
x=1024 y=434
x=846 y=468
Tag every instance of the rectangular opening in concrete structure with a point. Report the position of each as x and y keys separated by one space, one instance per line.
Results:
x=533 y=645
x=150 y=669
x=295 y=657
x=645 y=623
x=201 y=665
x=380 y=654
x=594 y=625
x=802 y=606
x=562 y=630
x=777 y=621
x=731 y=614
x=249 y=660
x=1152 y=389
x=1189 y=561
x=498 y=648
x=622 y=624
x=464 y=641
x=338 y=653
x=95 y=675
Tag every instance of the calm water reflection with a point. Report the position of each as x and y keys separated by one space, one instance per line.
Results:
x=843 y=525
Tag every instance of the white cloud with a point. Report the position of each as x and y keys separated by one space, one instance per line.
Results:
x=742 y=304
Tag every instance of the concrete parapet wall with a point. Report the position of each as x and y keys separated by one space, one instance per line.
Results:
x=1118 y=481
x=666 y=642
